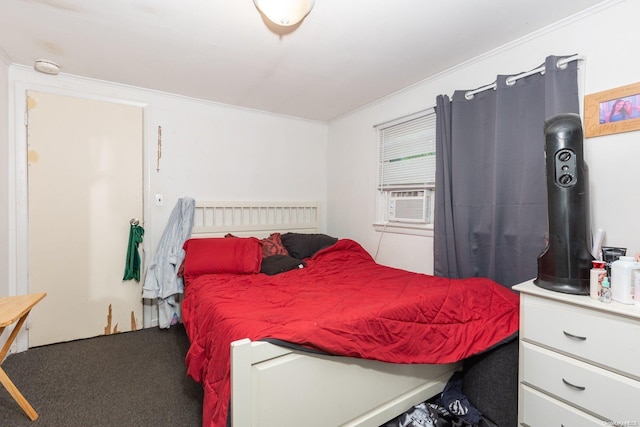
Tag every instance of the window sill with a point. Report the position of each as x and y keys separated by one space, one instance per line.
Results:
x=404 y=228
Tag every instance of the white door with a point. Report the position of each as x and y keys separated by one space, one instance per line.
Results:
x=85 y=183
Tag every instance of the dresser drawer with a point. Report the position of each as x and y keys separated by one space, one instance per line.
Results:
x=609 y=395
x=592 y=335
x=540 y=410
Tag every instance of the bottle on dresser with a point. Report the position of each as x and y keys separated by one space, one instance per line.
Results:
x=597 y=274
x=622 y=279
x=636 y=287
x=605 y=292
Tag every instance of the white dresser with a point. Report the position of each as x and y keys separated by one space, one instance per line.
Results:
x=579 y=360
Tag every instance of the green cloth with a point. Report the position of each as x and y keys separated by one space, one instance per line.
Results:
x=132 y=267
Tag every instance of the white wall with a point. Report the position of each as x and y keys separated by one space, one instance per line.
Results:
x=4 y=210
x=606 y=37
x=221 y=152
x=4 y=161
x=209 y=152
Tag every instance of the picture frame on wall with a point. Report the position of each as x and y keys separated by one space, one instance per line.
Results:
x=612 y=111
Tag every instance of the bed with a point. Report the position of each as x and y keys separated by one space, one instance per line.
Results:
x=340 y=341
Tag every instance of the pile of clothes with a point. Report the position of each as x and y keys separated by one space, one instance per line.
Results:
x=450 y=409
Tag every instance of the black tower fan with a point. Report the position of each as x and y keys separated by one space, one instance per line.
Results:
x=565 y=263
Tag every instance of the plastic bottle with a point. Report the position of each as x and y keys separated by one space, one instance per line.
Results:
x=622 y=279
x=605 y=292
x=636 y=287
x=597 y=273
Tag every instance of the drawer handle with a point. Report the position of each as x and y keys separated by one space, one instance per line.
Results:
x=575 y=337
x=576 y=387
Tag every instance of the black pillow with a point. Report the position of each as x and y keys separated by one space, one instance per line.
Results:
x=305 y=245
x=275 y=264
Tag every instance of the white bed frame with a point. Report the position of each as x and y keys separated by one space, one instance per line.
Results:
x=276 y=386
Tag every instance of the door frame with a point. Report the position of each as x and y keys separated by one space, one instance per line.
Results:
x=18 y=274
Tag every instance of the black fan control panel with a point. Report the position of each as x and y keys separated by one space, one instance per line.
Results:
x=565 y=166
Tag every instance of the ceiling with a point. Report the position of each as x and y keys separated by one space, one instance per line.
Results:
x=345 y=54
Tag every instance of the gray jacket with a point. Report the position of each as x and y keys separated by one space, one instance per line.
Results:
x=162 y=281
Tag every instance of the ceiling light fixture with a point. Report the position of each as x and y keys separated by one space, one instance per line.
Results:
x=285 y=12
x=46 y=66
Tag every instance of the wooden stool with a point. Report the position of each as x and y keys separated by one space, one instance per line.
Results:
x=16 y=309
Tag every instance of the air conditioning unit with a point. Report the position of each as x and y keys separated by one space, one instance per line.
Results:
x=409 y=206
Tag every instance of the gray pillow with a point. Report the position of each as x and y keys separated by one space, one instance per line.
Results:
x=275 y=264
x=305 y=245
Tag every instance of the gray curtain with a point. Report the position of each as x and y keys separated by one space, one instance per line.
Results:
x=491 y=201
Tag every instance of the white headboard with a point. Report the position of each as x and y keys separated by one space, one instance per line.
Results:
x=259 y=219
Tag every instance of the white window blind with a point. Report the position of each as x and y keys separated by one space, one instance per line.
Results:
x=407 y=153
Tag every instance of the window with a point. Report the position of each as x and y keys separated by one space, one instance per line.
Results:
x=406 y=170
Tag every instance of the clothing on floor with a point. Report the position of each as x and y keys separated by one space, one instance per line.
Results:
x=450 y=409
x=456 y=402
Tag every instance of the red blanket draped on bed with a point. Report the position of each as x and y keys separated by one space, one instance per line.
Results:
x=342 y=303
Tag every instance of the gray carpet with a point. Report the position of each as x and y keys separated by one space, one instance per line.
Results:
x=129 y=379
x=137 y=379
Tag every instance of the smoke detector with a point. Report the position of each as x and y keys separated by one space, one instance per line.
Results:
x=46 y=66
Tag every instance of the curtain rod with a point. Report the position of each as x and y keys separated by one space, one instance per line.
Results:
x=562 y=63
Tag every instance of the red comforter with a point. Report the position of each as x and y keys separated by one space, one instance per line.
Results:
x=345 y=304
